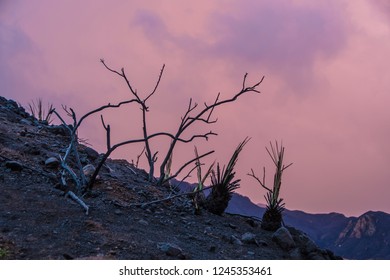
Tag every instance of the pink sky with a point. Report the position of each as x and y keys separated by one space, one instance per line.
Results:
x=326 y=91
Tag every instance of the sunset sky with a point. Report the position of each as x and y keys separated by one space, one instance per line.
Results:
x=326 y=92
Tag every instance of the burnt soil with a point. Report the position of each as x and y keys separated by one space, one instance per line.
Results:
x=37 y=220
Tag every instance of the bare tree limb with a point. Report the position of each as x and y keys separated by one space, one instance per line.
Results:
x=108 y=133
x=188 y=120
x=169 y=198
x=157 y=84
x=78 y=200
x=185 y=165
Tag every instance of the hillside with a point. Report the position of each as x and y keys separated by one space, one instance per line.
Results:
x=37 y=220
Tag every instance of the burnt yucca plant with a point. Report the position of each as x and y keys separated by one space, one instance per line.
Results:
x=272 y=217
x=223 y=184
x=198 y=197
x=38 y=110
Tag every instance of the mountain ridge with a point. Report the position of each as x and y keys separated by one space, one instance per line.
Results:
x=362 y=237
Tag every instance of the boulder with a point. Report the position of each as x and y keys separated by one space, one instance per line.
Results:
x=284 y=239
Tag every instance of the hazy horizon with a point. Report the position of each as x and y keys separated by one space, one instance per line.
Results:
x=325 y=92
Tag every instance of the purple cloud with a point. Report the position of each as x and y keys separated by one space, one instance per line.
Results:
x=284 y=37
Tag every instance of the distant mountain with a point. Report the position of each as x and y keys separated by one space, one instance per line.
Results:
x=364 y=237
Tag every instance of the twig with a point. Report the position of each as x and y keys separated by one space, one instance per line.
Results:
x=108 y=133
x=167 y=198
x=78 y=200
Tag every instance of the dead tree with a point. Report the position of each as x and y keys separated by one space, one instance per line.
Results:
x=187 y=121
x=151 y=157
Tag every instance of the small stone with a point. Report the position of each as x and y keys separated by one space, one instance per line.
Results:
x=25 y=122
x=234 y=240
x=118 y=212
x=170 y=249
x=143 y=222
x=212 y=248
x=13 y=165
x=52 y=162
x=251 y=253
x=252 y=223
x=283 y=238
x=233 y=226
x=262 y=243
x=91 y=153
x=58 y=130
x=248 y=238
x=315 y=256
x=88 y=170
x=295 y=254
x=207 y=230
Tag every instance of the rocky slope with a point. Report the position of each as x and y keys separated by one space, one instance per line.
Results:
x=37 y=221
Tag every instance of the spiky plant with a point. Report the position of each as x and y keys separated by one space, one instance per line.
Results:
x=198 y=197
x=223 y=184
x=39 y=112
x=272 y=217
x=167 y=169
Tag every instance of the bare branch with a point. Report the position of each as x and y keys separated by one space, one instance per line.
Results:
x=108 y=132
x=78 y=200
x=105 y=107
x=158 y=82
x=167 y=198
x=138 y=157
x=185 y=165
x=262 y=183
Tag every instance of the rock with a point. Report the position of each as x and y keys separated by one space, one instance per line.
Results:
x=143 y=222
x=308 y=246
x=11 y=104
x=13 y=165
x=252 y=223
x=233 y=226
x=58 y=130
x=52 y=162
x=170 y=249
x=91 y=153
x=212 y=248
x=295 y=254
x=234 y=240
x=315 y=256
x=248 y=238
x=283 y=238
x=88 y=170
x=207 y=230
x=25 y=122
